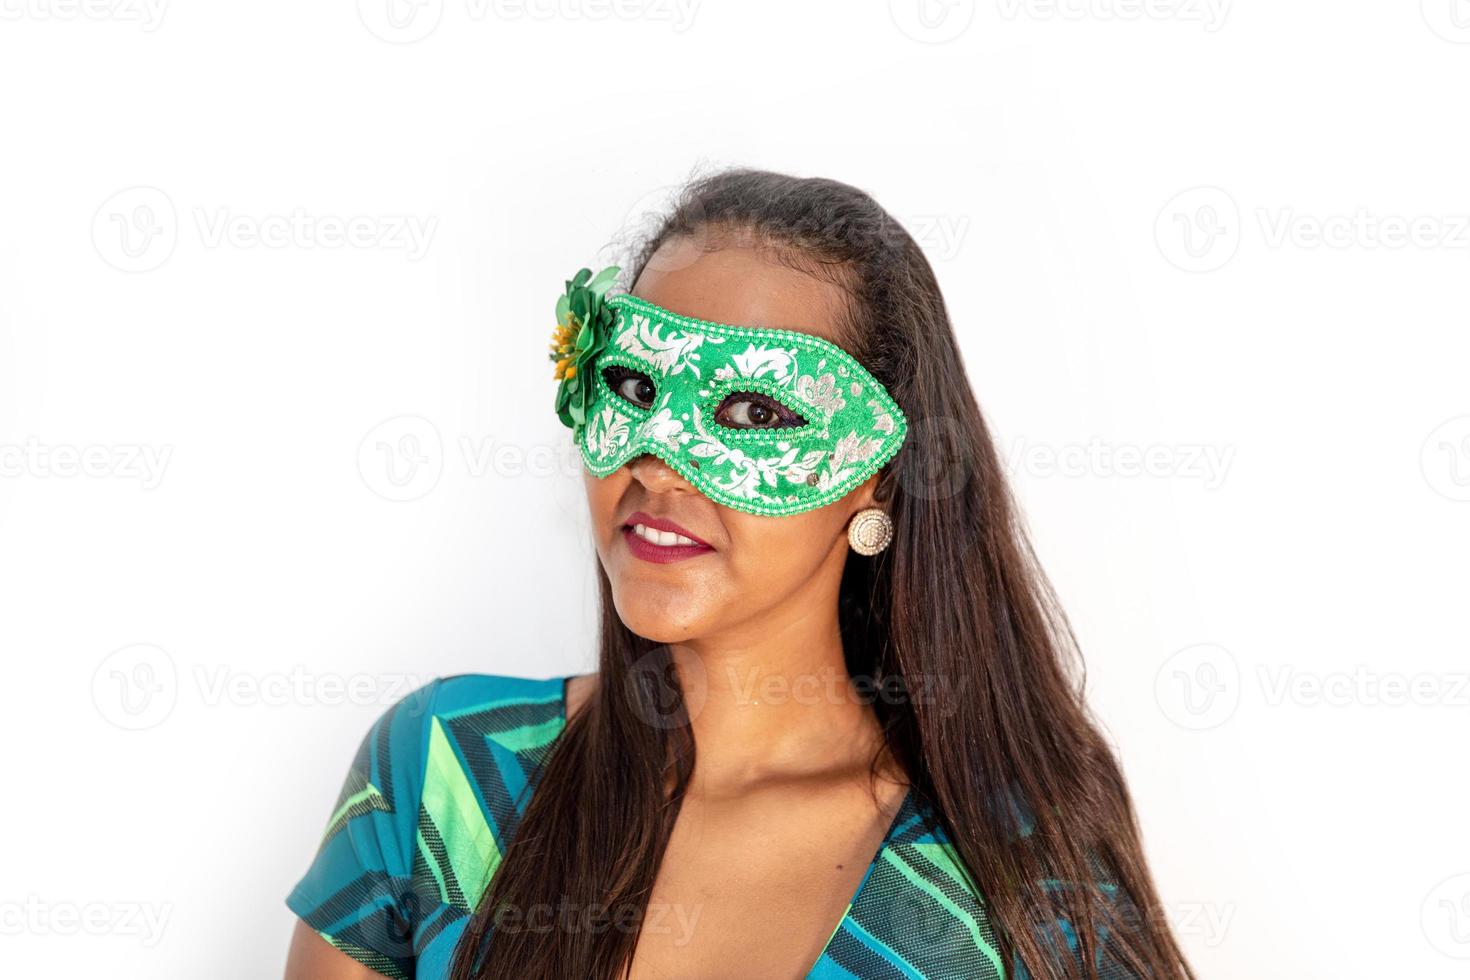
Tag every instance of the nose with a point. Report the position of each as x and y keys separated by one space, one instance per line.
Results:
x=656 y=475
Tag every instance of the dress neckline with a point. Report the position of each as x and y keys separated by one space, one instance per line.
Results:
x=901 y=819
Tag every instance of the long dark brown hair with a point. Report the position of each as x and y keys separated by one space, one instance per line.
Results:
x=999 y=745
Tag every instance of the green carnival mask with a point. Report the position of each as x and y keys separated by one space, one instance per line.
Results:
x=637 y=378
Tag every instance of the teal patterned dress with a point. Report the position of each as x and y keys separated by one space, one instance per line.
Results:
x=433 y=798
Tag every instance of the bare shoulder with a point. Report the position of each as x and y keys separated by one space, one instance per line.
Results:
x=579 y=688
x=313 y=958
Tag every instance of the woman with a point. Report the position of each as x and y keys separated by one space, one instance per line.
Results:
x=833 y=731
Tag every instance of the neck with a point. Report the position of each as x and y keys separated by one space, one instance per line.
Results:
x=772 y=699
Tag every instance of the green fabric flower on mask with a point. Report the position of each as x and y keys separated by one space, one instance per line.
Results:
x=583 y=324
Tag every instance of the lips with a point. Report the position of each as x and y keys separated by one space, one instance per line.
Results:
x=658 y=539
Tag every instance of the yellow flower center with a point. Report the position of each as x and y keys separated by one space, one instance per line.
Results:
x=564 y=347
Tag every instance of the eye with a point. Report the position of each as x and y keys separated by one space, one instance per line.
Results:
x=634 y=386
x=751 y=410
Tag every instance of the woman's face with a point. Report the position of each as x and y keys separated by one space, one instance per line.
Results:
x=760 y=574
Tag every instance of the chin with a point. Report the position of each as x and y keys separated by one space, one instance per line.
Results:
x=656 y=614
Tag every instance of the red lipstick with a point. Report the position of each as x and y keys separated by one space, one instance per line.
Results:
x=662 y=553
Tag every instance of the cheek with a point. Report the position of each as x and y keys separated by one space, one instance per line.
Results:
x=603 y=494
x=777 y=554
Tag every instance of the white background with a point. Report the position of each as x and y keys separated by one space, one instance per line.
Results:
x=1230 y=240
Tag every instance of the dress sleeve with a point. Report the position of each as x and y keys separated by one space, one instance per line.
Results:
x=358 y=892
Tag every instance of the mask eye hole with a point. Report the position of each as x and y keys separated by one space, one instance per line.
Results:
x=630 y=385
x=752 y=410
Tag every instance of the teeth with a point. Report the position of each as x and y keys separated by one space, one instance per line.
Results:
x=664 y=538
